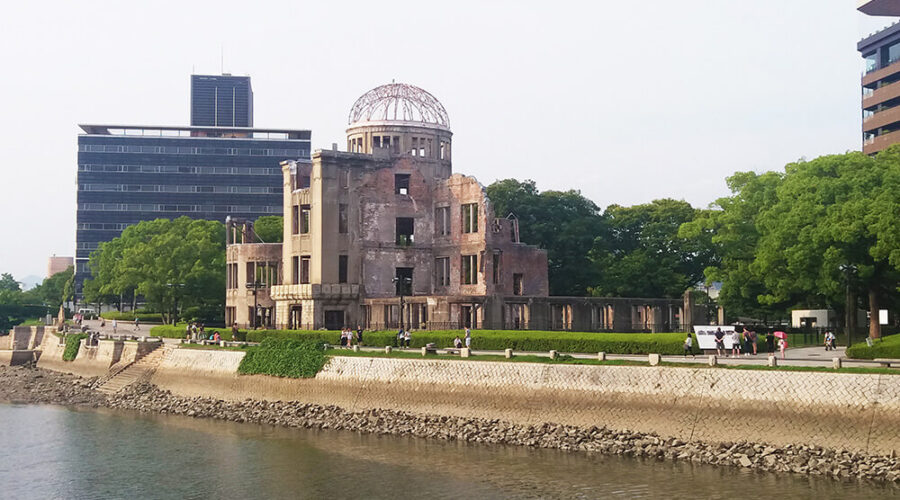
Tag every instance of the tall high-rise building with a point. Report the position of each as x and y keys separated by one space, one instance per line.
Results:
x=881 y=79
x=221 y=101
x=131 y=173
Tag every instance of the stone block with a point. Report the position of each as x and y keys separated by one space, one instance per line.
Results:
x=465 y=352
x=508 y=353
x=356 y=348
x=222 y=343
x=424 y=351
x=773 y=361
x=601 y=356
x=387 y=349
x=836 y=363
x=654 y=359
x=713 y=360
x=554 y=355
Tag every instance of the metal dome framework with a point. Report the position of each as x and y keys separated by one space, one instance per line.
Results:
x=399 y=102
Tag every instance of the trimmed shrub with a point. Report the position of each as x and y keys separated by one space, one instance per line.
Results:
x=179 y=332
x=518 y=340
x=284 y=358
x=887 y=347
x=73 y=343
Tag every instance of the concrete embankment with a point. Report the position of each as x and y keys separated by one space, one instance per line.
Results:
x=92 y=361
x=851 y=411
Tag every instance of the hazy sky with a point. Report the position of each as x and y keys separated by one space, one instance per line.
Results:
x=626 y=101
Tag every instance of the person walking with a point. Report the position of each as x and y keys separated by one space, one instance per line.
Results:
x=115 y=324
x=359 y=332
x=782 y=345
x=770 y=343
x=688 y=344
x=720 y=342
x=137 y=324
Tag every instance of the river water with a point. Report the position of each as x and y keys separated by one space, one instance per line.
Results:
x=56 y=452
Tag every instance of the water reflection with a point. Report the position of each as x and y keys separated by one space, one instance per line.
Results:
x=60 y=453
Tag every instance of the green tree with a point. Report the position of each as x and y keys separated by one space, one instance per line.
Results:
x=642 y=255
x=8 y=283
x=564 y=223
x=730 y=226
x=52 y=291
x=832 y=211
x=270 y=228
x=174 y=264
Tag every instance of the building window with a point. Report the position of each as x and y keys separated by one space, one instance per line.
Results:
x=442 y=271
x=517 y=284
x=469 y=270
x=295 y=270
x=404 y=276
x=496 y=268
x=405 y=227
x=342 y=218
x=251 y=272
x=295 y=219
x=342 y=268
x=304 y=219
x=401 y=184
x=304 y=269
x=442 y=221
x=469 y=217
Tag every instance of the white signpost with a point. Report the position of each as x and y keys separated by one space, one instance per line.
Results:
x=706 y=335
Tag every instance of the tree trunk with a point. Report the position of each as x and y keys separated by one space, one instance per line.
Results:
x=874 y=323
x=850 y=313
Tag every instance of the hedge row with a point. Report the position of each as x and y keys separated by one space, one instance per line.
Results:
x=887 y=347
x=284 y=358
x=73 y=343
x=614 y=343
x=179 y=332
x=148 y=317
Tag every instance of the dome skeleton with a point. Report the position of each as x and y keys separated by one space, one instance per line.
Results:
x=399 y=102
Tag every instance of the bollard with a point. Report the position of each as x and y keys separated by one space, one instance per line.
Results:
x=654 y=359
x=143 y=339
x=222 y=343
x=356 y=348
x=508 y=353
x=554 y=355
x=387 y=349
x=836 y=363
x=424 y=351
x=773 y=361
x=713 y=361
x=465 y=352
x=601 y=356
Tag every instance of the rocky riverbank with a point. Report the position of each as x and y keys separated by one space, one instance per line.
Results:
x=23 y=385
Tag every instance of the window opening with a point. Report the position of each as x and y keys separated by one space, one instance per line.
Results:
x=405 y=227
x=401 y=184
x=469 y=217
x=469 y=270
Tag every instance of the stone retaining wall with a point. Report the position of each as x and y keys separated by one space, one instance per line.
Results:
x=91 y=361
x=857 y=412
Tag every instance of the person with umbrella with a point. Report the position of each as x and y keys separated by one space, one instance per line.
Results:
x=782 y=342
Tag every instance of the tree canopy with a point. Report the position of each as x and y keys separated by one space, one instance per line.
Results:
x=270 y=228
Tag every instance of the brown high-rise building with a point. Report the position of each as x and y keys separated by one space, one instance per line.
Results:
x=881 y=79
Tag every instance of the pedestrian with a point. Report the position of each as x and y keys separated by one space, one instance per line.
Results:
x=115 y=325
x=746 y=336
x=720 y=342
x=770 y=343
x=359 y=332
x=829 y=341
x=688 y=344
x=137 y=324
x=216 y=336
x=407 y=336
x=234 y=331
x=735 y=344
x=457 y=342
x=468 y=338
x=782 y=345
x=343 y=337
x=400 y=338
x=753 y=341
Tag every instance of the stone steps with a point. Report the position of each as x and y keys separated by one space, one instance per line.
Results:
x=138 y=370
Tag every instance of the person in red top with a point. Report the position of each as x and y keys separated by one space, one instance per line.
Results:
x=216 y=336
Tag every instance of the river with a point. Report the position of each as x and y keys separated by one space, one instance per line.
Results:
x=56 y=452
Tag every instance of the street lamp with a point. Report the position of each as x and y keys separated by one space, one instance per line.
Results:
x=848 y=270
x=404 y=282
x=256 y=285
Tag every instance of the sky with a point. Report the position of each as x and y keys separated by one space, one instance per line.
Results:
x=625 y=101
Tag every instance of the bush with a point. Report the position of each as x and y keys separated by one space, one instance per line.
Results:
x=148 y=317
x=887 y=347
x=519 y=340
x=284 y=358
x=179 y=332
x=73 y=343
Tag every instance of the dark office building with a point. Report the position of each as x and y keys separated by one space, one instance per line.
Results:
x=221 y=101
x=128 y=174
x=881 y=79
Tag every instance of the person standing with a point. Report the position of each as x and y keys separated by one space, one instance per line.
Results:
x=407 y=336
x=752 y=335
x=720 y=342
x=359 y=332
x=770 y=343
x=688 y=344
x=137 y=324
x=468 y=338
x=735 y=344
x=115 y=324
x=782 y=345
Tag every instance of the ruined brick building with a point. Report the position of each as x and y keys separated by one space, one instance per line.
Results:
x=386 y=235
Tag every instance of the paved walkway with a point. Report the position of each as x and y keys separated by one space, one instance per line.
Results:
x=798 y=356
